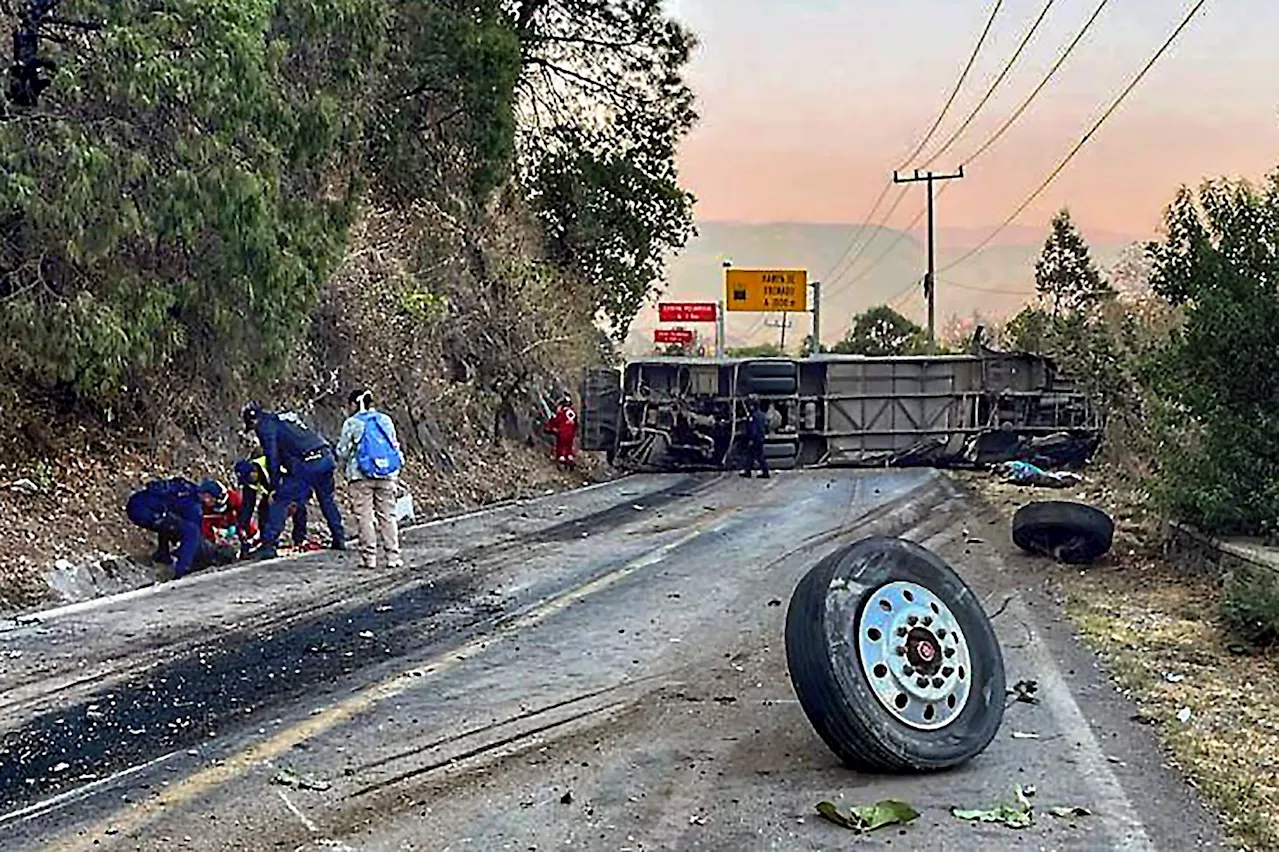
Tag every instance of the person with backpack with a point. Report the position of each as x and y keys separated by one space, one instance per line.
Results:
x=299 y=462
x=370 y=456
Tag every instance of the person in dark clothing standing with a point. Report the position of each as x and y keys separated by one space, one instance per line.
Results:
x=308 y=466
x=757 y=426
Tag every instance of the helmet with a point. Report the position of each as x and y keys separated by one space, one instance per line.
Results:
x=214 y=489
x=244 y=472
x=250 y=413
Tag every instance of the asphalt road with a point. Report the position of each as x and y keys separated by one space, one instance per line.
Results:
x=598 y=670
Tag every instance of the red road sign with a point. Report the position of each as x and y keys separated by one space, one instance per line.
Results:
x=682 y=336
x=687 y=311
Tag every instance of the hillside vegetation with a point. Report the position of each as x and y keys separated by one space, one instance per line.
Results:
x=281 y=199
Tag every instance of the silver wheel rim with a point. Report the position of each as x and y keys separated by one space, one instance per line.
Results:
x=914 y=655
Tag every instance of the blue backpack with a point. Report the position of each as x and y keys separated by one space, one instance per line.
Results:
x=376 y=456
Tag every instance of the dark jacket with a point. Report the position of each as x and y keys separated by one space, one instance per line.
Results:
x=287 y=442
x=757 y=425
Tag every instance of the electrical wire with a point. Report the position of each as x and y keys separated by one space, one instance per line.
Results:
x=991 y=90
x=835 y=272
x=1053 y=69
x=1081 y=143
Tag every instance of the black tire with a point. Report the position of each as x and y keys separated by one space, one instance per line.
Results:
x=1068 y=532
x=770 y=385
x=768 y=370
x=835 y=691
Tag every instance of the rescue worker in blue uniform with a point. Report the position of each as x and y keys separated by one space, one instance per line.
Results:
x=172 y=509
x=757 y=427
x=299 y=462
x=253 y=478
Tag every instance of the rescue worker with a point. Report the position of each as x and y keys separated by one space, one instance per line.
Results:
x=222 y=507
x=171 y=508
x=299 y=463
x=757 y=426
x=252 y=477
x=564 y=425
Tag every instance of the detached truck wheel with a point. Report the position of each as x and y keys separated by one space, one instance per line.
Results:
x=1069 y=532
x=893 y=658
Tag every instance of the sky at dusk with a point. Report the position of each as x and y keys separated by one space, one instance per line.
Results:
x=807 y=105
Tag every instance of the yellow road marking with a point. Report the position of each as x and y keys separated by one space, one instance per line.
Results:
x=125 y=824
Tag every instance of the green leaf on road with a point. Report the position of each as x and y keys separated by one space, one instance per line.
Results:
x=1069 y=811
x=289 y=778
x=869 y=817
x=1015 y=814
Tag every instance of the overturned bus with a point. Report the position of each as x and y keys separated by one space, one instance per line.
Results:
x=672 y=413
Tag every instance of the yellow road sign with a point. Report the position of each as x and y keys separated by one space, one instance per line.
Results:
x=766 y=289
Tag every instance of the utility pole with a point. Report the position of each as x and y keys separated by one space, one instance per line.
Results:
x=929 y=288
x=815 y=345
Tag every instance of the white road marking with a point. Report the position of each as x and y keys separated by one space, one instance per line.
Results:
x=1111 y=804
x=308 y=824
x=40 y=808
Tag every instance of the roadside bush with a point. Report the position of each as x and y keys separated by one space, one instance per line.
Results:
x=1215 y=376
x=1251 y=604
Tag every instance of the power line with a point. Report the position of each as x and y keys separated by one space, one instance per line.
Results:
x=973 y=56
x=991 y=90
x=951 y=99
x=1053 y=69
x=999 y=132
x=1080 y=144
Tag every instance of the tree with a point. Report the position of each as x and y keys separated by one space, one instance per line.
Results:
x=1217 y=372
x=182 y=190
x=603 y=106
x=1065 y=274
x=882 y=331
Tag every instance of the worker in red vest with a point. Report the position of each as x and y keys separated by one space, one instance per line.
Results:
x=564 y=425
x=221 y=513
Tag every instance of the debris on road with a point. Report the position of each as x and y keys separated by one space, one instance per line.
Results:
x=567 y=798
x=1015 y=814
x=863 y=818
x=1025 y=735
x=1069 y=811
x=289 y=778
x=1026 y=473
x=1025 y=691
x=1184 y=715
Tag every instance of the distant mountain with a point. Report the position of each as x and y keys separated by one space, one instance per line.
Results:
x=995 y=282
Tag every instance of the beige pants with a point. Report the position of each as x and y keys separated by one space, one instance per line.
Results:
x=375 y=504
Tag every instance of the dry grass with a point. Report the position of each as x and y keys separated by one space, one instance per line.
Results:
x=1158 y=632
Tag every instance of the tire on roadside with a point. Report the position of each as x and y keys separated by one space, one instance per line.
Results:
x=848 y=677
x=1073 y=533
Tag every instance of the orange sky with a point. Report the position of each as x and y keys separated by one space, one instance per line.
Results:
x=807 y=106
